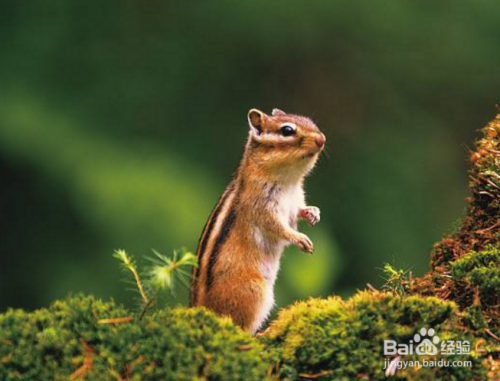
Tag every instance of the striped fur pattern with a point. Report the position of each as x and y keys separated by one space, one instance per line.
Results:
x=256 y=217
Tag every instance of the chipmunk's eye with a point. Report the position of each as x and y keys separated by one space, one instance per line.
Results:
x=287 y=130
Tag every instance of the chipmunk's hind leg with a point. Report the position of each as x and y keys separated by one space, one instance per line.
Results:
x=240 y=298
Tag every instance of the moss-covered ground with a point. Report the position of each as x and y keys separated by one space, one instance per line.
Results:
x=85 y=338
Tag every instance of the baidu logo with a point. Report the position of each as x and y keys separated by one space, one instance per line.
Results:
x=426 y=342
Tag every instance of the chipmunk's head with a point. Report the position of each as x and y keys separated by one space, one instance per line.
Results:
x=284 y=143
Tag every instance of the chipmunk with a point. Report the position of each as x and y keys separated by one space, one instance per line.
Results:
x=241 y=245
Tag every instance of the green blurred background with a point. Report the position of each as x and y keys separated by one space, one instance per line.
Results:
x=122 y=122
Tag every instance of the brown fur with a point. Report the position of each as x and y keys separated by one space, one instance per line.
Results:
x=246 y=231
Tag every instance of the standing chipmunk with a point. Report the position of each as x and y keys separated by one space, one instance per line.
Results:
x=256 y=217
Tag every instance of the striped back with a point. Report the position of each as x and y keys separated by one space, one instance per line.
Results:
x=214 y=234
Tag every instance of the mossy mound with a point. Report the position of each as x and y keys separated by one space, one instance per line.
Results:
x=85 y=338
x=480 y=227
x=466 y=264
x=333 y=339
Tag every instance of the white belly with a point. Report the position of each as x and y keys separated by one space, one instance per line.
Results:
x=271 y=246
x=265 y=309
x=291 y=200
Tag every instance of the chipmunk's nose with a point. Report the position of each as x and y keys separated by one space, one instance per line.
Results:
x=320 y=140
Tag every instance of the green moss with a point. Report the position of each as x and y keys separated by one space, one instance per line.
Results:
x=476 y=287
x=173 y=344
x=333 y=339
x=474 y=317
x=481 y=270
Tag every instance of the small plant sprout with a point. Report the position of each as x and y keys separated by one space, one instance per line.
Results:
x=161 y=276
x=164 y=271
x=397 y=281
x=128 y=264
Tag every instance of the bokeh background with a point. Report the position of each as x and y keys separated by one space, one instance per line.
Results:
x=122 y=122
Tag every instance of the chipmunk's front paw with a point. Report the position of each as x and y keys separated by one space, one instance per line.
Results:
x=304 y=243
x=311 y=214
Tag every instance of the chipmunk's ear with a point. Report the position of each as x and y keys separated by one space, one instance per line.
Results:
x=278 y=112
x=256 y=119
